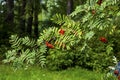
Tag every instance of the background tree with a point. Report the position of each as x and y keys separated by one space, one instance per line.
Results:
x=69 y=6
x=10 y=12
x=36 y=13
x=29 y=11
x=22 y=16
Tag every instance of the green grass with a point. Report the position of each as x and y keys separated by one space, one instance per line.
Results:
x=35 y=73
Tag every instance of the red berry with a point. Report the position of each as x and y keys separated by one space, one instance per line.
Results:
x=103 y=39
x=116 y=72
x=62 y=31
x=49 y=45
x=99 y=2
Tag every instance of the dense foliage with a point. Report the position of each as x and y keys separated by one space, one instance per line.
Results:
x=87 y=37
x=25 y=51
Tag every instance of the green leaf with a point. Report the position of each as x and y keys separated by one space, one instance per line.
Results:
x=118 y=14
x=109 y=49
x=89 y=35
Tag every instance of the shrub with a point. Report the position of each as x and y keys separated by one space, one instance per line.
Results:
x=86 y=37
x=25 y=51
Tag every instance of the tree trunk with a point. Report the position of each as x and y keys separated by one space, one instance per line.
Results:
x=29 y=25
x=69 y=6
x=36 y=24
x=22 y=17
x=36 y=12
x=10 y=13
x=8 y=22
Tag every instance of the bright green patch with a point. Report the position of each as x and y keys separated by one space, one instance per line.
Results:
x=35 y=73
